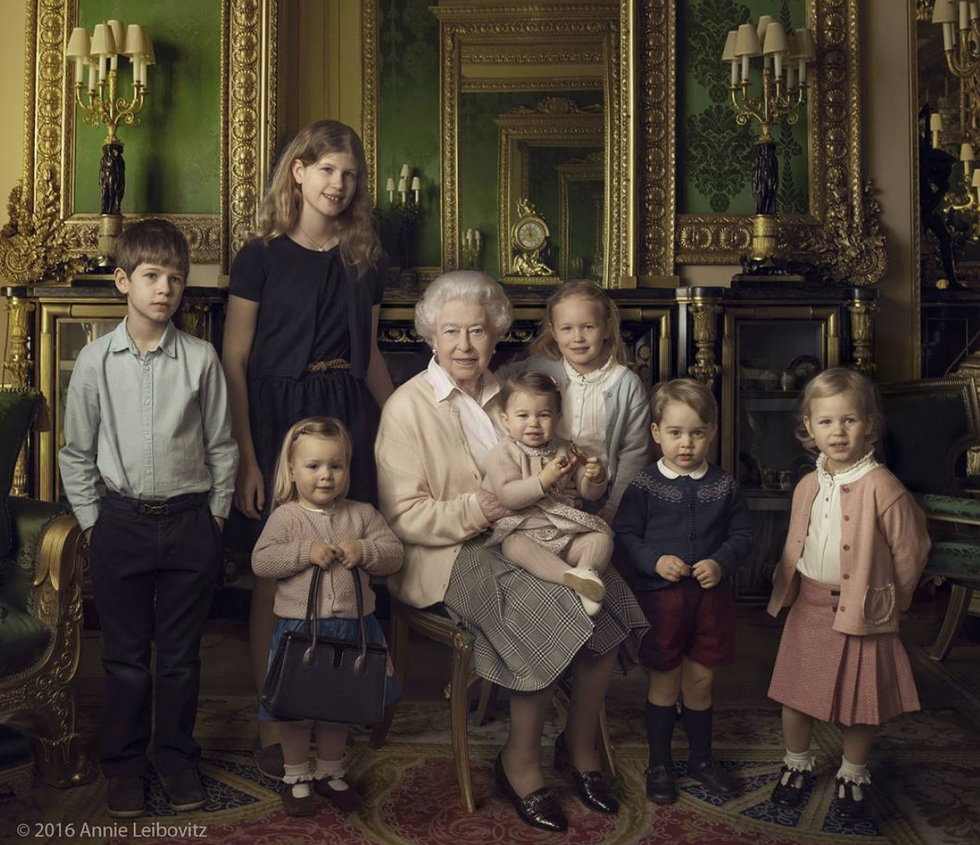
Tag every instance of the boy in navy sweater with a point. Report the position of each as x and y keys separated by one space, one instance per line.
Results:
x=682 y=529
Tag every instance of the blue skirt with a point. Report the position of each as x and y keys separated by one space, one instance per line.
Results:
x=343 y=629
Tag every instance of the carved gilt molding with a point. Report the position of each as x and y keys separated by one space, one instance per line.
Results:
x=840 y=234
x=246 y=101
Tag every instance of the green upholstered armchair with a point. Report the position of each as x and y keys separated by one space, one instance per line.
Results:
x=40 y=609
x=930 y=425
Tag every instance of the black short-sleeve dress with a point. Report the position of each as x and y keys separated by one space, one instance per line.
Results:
x=314 y=310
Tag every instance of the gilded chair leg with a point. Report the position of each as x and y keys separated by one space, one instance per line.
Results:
x=398 y=650
x=488 y=694
x=959 y=604
x=606 y=758
x=458 y=689
x=57 y=758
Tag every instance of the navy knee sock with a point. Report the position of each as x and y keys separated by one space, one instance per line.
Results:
x=660 y=729
x=697 y=725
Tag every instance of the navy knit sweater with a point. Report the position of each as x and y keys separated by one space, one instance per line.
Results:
x=694 y=519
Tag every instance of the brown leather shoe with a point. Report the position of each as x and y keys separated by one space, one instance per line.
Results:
x=185 y=790
x=297 y=807
x=124 y=796
x=347 y=800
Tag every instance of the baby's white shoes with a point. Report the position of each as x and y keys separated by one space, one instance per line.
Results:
x=589 y=586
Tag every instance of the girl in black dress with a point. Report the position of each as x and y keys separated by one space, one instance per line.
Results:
x=300 y=340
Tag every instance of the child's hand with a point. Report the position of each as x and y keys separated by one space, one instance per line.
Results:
x=554 y=471
x=594 y=470
x=351 y=553
x=672 y=568
x=323 y=554
x=220 y=522
x=708 y=573
x=491 y=507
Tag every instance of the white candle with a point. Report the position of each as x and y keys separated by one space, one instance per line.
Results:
x=745 y=69
x=964 y=14
x=947 y=37
x=801 y=68
x=91 y=76
x=114 y=62
x=778 y=64
x=390 y=188
x=79 y=80
x=101 y=68
x=143 y=67
x=137 y=61
x=790 y=76
x=477 y=233
x=735 y=72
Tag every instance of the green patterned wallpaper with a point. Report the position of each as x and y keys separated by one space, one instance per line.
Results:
x=714 y=153
x=172 y=157
x=408 y=117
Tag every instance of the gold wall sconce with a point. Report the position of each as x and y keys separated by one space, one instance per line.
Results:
x=102 y=106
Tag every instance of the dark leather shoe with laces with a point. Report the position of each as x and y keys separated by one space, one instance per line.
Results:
x=185 y=791
x=539 y=809
x=846 y=805
x=788 y=791
x=124 y=796
x=592 y=786
x=661 y=787
x=713 y=776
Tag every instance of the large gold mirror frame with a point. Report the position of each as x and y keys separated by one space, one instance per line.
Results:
x=840 y=233
x=518 y=134
x=247 y=138
x=558 y=46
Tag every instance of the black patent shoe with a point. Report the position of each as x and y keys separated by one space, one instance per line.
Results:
x=713 y=776
x=661 y=786
x=592 y=786
x=539 y=809
x=846 y=805
x=788 y=791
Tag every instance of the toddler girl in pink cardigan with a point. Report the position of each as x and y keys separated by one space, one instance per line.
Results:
x=543 y=479
x=314 y=524
x=856 y=547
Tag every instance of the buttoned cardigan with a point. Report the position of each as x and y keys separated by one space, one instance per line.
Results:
x=884 y=548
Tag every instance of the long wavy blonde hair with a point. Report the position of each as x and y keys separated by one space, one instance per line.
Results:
x=283 y=202
x=546 y=345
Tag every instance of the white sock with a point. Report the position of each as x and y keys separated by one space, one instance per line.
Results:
x=802 y=762
x=298 y=777
x=851 y=772
x=334 y=771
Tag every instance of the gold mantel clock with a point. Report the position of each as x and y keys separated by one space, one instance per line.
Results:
x=529 y=237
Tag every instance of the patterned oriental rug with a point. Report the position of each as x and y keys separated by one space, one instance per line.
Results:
x=926 y=787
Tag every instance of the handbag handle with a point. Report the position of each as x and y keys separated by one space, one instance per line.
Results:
x=309 y=656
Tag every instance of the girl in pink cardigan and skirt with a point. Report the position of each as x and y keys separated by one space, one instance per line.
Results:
x=856 y=548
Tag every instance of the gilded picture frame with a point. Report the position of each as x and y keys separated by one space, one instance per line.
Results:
x=840 y=233
x=247 y=102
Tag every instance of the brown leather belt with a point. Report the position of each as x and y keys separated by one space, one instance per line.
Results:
x=323 y=366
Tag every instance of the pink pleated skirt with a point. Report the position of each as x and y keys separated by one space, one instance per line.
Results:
x=839 y=677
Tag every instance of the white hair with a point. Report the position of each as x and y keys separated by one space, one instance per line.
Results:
x=470 y=286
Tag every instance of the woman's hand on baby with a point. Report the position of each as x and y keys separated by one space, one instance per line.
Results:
x=708 y=573
x=491 y=507
x=323 y=554
x=594 y=470
x=351 y=553
x=672 y=568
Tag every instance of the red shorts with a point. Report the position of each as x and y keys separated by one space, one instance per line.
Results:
x=688 y=621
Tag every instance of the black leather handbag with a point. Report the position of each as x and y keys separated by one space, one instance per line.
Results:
x=324 y=678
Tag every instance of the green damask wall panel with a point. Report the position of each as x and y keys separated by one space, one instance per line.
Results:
x=478 y=153
x=408 y=117
x=172 y=162
x=714 y=153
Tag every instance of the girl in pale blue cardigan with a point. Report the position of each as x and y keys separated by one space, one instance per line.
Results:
x=605 y=406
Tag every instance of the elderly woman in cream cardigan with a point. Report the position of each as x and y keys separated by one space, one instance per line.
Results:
x=435 y=435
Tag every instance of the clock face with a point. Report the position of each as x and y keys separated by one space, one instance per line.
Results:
x=530 y=235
